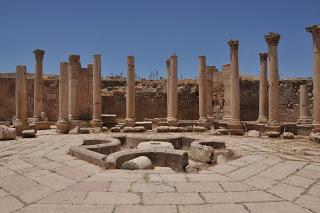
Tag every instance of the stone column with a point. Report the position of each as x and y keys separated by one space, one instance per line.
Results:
x=63 y=125
x=172 y=93
x=263 y=89
x=210 y=71
x=37 y=108
x=304 y=106
x=235 y=125
x=96 y=94
x=202 y=91
x=168 y=83
x=74 y=68
x=315 y=31
x=272 y=40
x=130 y=90
x=21 y=119
x=226 y=86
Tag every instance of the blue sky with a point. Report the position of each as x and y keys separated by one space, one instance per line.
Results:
x=153 y=30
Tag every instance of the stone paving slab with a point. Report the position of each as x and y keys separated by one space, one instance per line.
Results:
x=37 y=175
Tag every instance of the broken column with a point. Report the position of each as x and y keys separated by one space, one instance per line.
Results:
x=226 y=87
x=304 y=106
x=235 y=126
x=63 y=124
x=74 y=68
x=210 y=71
x=39 y=120
x=202 y=92
x=96 y=94
x=315 y=31
x=130 y=90
x=172 y=91
x=21 y=119
x=263 y=89
x=272 y=40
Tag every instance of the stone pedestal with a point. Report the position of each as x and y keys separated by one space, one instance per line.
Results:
x=210 y=71
x=263 y=89
x=63 y=124
x=315 y=31
x=235 y=125
x=202 y=92
x=96 y=93
x=272 y=40
x=172 y=104
x=21 y=119
x=130 y=90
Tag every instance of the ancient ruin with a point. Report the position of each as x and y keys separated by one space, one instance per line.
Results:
x=223 y=137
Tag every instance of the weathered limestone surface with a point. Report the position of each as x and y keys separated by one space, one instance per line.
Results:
x=130 y=92
x=151 y=95
x=263 y=89
x=272 y=40
x=63 y=124
x=210 y=71
x=304 y=106
x=21 y=119
x=202 y=90
x=172 y=95
x=226 y=86
x=315 y=31
x=38 y=84
x=97 y=103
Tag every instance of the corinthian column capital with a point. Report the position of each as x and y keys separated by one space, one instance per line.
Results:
x=272 y=38
x=314 y=30
x=233 y=44
x=39 y=55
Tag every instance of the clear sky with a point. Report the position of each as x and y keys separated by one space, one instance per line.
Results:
x=152 y=30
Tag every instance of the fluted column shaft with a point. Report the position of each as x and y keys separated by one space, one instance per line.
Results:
x=234 y=82
x=202 y=89
x=130 y=96
x=38 y=84
x=315 y=31
x=263 y=88
x=172 y=92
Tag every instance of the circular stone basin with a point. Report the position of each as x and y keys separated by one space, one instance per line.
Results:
x=104 y=146
x=155 y=145
x=133 y=140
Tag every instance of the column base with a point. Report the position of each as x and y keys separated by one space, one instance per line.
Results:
x=304 y=120
x=203 y=122
x=130 y=122
x=20 y=126
x=304 y=129
x=262 y=120
x=226 y=118
x=42 y=125
x=235 y=127
x=96 y=122
x=273 y=126
x=316 y=126
x=172 y=121
x=63 y=126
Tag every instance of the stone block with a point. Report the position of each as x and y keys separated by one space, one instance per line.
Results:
x=30 y=133
x=273 y=134
x=115 y=129
x=199 y=129
x=7 y=133
x=254 y=133
x=163 y=129
x=287 y=135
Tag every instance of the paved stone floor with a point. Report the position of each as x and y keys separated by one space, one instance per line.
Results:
x=37 y=175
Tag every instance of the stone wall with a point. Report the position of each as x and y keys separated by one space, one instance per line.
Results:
x=151 y=98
